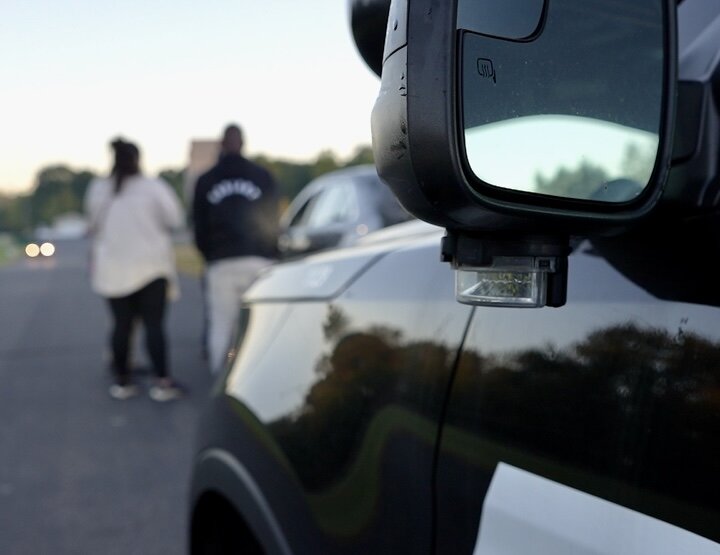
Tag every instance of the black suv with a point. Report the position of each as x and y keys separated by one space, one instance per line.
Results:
x=570 y=402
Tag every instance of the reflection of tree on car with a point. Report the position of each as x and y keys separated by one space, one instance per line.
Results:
x=363 y=374
x=623 y=413
x=620 y=372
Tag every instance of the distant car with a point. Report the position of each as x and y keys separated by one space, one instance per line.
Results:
x=336 y=210
x=46 y=249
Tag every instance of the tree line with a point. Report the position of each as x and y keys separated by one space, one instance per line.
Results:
x=60 y=189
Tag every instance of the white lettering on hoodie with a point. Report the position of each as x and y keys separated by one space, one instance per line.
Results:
x=229 y=187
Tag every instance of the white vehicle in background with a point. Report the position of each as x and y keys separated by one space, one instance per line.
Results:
x=336 y=210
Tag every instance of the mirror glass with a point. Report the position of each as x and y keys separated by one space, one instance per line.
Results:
x=573 y=112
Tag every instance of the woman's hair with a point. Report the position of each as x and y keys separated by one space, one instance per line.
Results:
x=127 y=161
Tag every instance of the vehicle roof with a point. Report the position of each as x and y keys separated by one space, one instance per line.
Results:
x=364 y=170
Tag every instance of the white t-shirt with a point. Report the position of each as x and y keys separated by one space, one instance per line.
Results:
x=132 y=234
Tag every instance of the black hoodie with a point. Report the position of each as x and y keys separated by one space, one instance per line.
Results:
x=235 y=210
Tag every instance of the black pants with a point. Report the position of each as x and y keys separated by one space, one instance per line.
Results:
x=148 y=305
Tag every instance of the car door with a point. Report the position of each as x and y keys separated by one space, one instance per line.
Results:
x=591 y=428
x=332 y=406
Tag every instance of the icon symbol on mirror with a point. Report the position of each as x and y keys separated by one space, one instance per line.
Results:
x=486 y=69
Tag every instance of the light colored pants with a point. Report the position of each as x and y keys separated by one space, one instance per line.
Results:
x=227 y=281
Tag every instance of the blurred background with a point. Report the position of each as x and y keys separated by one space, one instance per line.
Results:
x=79 y=471
x=169 y=76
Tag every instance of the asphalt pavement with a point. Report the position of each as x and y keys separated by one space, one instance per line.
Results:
x=80 y=472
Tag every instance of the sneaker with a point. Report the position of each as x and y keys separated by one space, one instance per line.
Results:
x=123 y=392
x=163 y=393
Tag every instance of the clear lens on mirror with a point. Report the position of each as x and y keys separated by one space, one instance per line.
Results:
x=491 y=287
x=519 y=281
x=575 y=112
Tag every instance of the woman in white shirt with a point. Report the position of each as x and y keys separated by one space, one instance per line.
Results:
x=131 y=220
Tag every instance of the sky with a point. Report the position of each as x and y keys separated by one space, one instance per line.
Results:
x=76 y=73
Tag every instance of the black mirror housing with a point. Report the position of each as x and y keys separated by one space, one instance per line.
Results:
x=368 y=20
x=458 y=87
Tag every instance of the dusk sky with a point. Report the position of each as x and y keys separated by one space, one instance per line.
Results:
x=76 y=73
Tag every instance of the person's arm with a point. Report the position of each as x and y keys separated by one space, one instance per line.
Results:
x=171 y=212
x=93 y=206
x=200 y=218
x=272 y=213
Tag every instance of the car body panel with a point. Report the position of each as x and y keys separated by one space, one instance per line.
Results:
x=617 y=395
x=375 y=414
x=333 y=407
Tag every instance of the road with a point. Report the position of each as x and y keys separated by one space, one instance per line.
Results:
x=80 y=472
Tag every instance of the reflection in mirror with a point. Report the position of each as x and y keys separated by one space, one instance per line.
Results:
x=575 y=112
x=603 y=161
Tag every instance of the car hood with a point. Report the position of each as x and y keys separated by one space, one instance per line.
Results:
x=325 y=275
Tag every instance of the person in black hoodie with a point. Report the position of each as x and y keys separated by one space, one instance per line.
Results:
x=235 y=216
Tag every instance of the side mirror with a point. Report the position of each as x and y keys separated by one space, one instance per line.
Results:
x=516 y=123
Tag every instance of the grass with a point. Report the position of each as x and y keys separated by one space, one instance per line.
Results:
x=9 y=251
